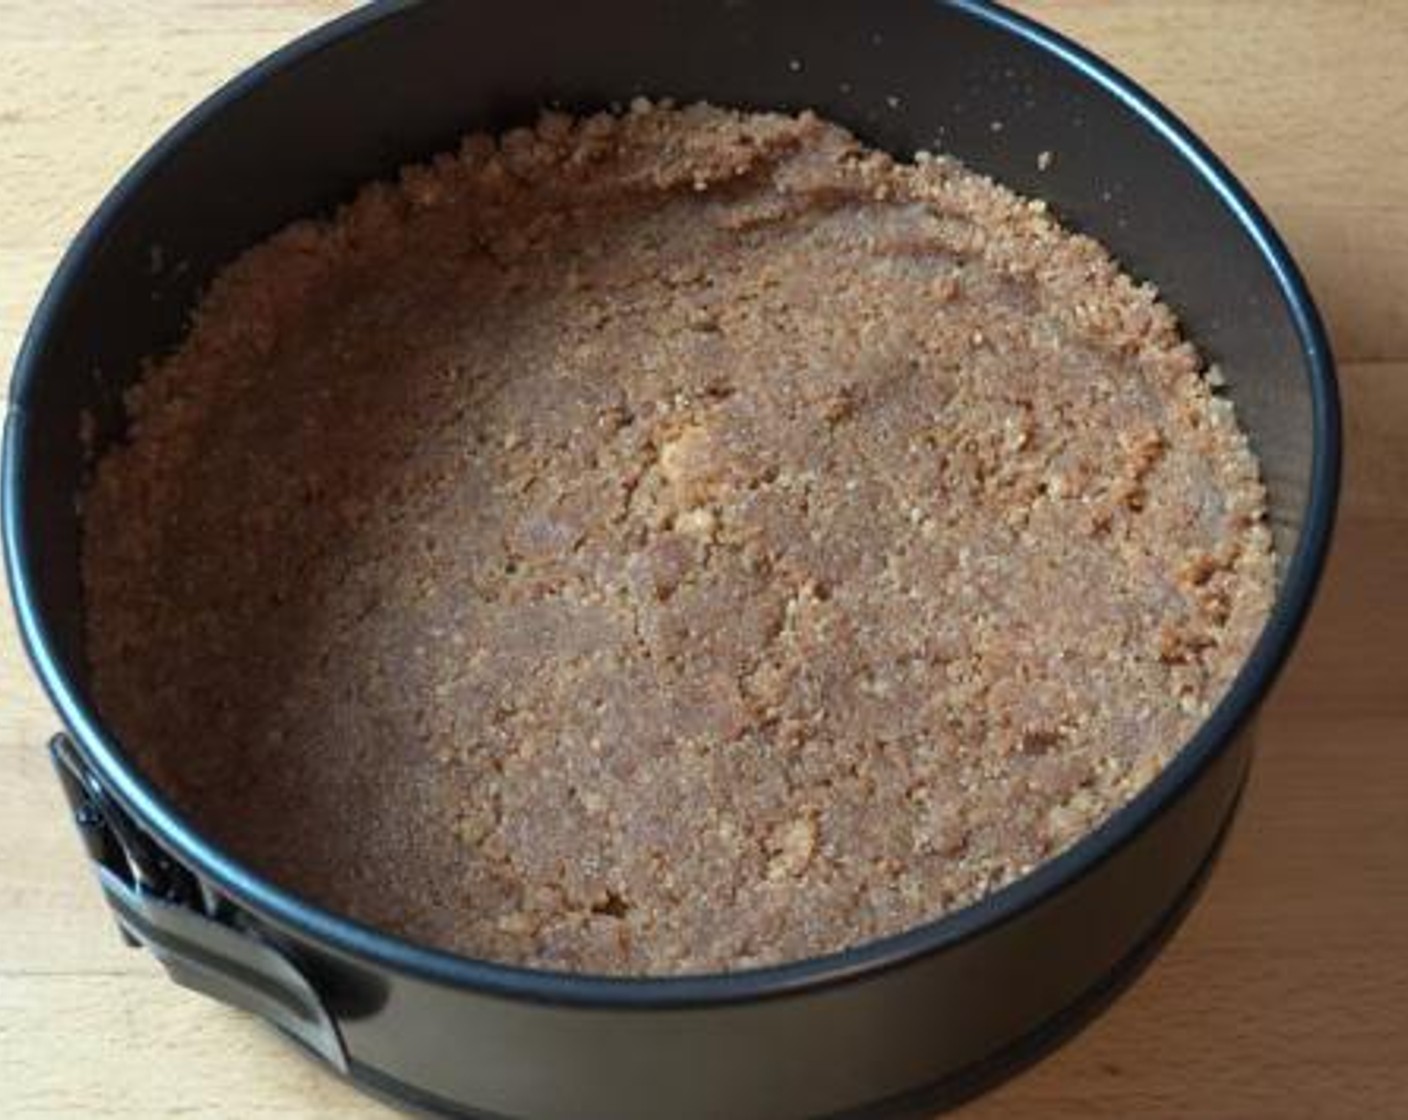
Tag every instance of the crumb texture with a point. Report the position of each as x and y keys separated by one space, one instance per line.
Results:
x=674 y=542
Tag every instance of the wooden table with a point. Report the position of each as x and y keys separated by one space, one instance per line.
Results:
x=1285 y=995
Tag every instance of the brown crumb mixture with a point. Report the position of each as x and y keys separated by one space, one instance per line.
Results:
x=667 y=543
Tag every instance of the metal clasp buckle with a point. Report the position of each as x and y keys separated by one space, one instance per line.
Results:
x=159 y=905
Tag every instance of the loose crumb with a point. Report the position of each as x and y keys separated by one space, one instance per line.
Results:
x=669 y=542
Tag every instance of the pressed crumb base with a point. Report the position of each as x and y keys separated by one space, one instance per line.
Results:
x=667 y=543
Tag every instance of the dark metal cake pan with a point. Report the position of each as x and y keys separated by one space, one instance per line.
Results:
x=907 y=1023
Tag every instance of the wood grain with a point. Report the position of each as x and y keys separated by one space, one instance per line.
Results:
x=1285 y=995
